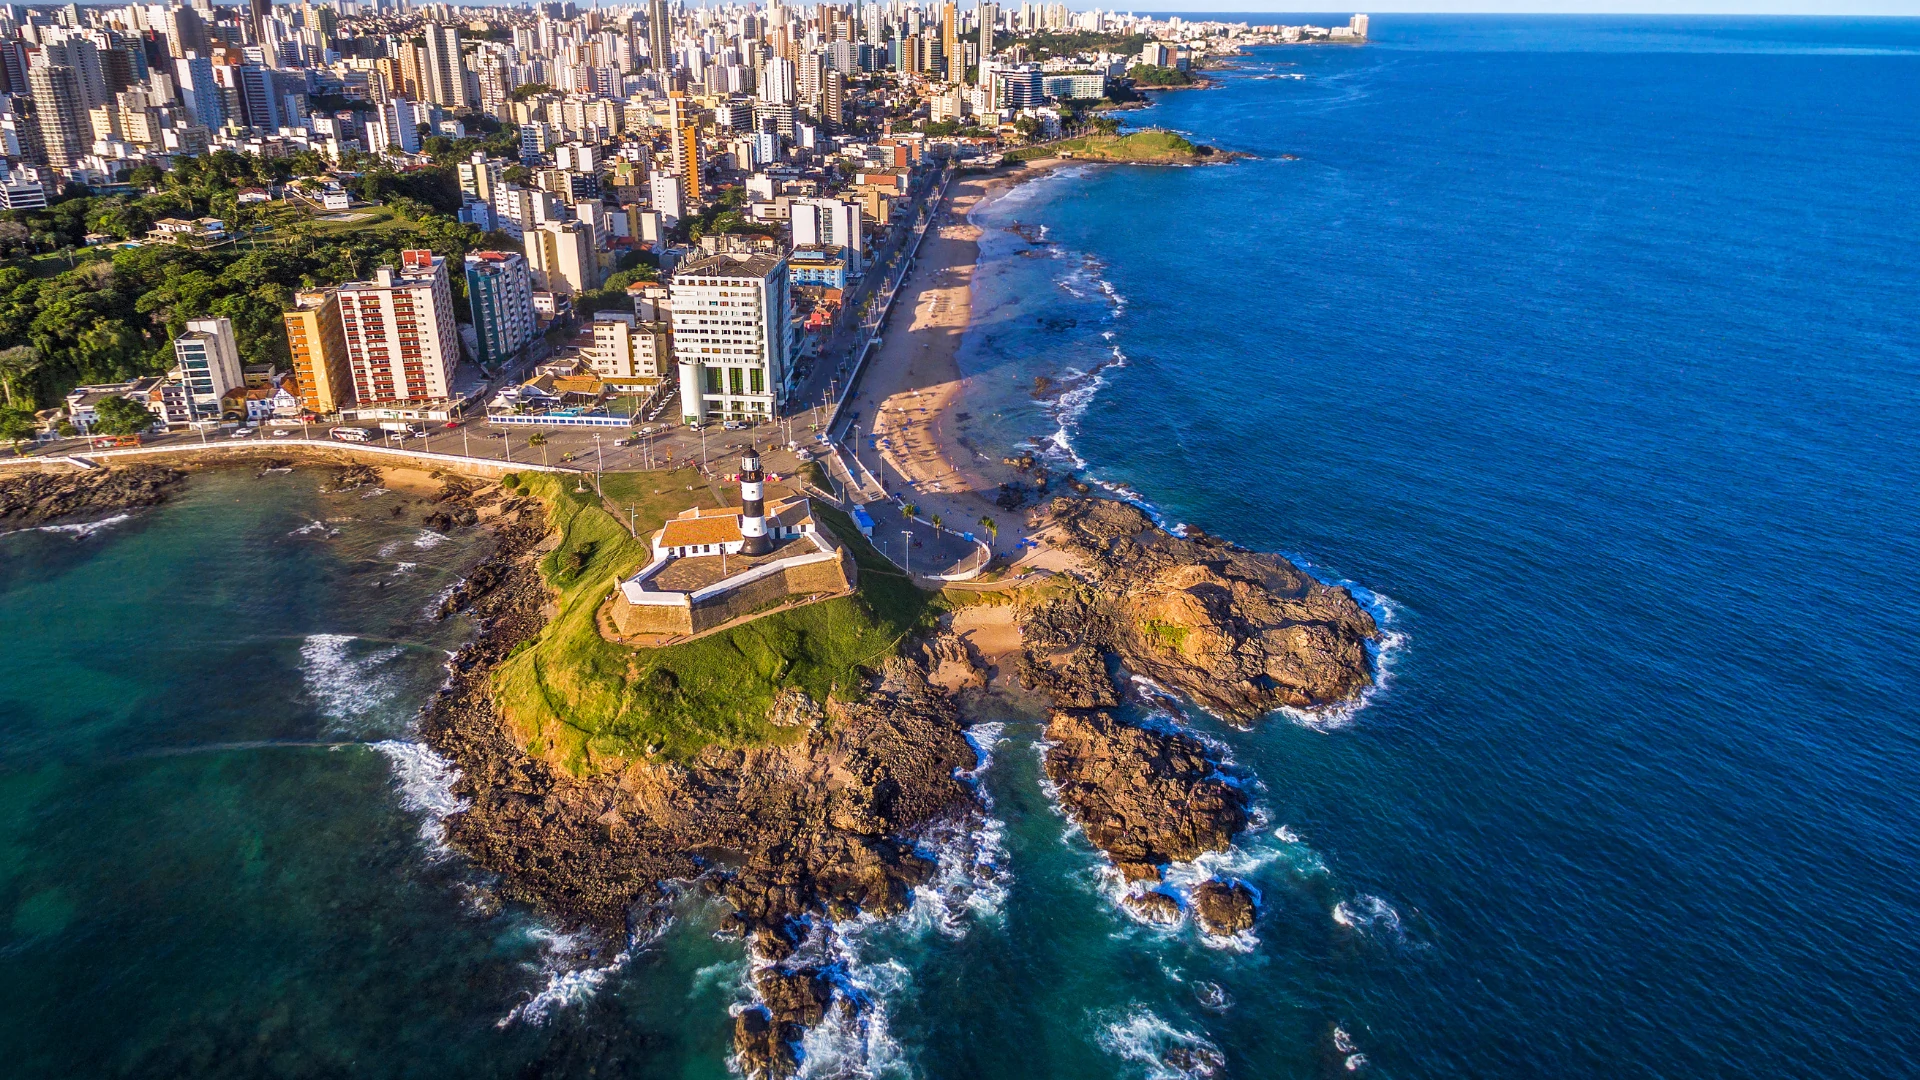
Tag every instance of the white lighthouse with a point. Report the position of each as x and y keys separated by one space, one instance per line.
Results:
x=753 y=508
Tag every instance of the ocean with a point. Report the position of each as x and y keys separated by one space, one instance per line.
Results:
x=1585 y=349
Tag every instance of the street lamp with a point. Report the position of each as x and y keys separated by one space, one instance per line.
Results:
x=908 y=564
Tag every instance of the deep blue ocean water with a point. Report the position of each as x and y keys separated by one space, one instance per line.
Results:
x=1586 y=346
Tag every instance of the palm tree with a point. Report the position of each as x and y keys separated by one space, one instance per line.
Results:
x=992 y=529
x=936 y=522
x=539 y=439
x=15 y=364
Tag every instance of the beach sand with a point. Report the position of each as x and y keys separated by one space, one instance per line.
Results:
x=914 y=382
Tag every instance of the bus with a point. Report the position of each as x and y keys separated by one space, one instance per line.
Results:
x=351 y=434
x=108 y=442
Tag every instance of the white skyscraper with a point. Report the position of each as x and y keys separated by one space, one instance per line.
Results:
x=731 y=321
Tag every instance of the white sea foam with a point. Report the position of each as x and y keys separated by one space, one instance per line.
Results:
x=1351 y=1056
x=1164 y=1051
x=405 y=567
x=350 y=690
x=311 y=528
x=564 y=987
x=429 y=539
x=439 y=598
x=425 y=781
x=80 y=530
x=1370 y=915
x=854 y=1039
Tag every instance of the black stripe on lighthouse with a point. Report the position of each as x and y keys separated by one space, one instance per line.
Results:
x=753 y=507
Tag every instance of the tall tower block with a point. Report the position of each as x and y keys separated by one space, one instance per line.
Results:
x=753 y=507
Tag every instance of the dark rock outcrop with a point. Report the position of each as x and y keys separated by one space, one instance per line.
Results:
x=1152 y=906
x=1240 y=632
x=352 y=476
x=30 y=497
x=1145 y=798
x=1223 y=908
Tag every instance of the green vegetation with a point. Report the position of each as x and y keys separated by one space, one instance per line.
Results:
x=1154 y=75
x=1153 y=145
x=112 y=314
x=122 y=416
x=591 y=705
x=1047 y=44
x=1166 y=635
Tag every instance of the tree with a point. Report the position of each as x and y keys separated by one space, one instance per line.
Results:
x=122 y=416
x=16 y=364
x=991 y=528
x=16 y=427
x=936 y=522
x=146 y=177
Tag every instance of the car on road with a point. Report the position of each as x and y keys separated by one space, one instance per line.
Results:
x=496 y=434
x=285 y=433
x=736 y=425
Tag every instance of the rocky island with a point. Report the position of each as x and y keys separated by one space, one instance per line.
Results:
x=1239 y=633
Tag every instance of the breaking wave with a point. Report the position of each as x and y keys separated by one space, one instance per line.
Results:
x=565 y=985
x=425 y=781
x=80 y=530
x=1369 y=914
x=350 y=690
x=1166 y=1052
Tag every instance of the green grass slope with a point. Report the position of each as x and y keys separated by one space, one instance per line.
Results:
x=590 y=705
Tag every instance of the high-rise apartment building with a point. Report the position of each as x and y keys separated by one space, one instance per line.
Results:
x=209 y=362
x=659 y=37
x=950 y=42
x=989 y=22
x=193 y=76
x=318 y=344
x=446 y=74
x=833 y=98
x=562 y=257
x=64 y=128
x=830 y=223
x=400 y=335
x=629 y=352
x=731 y=325
x=500 y=294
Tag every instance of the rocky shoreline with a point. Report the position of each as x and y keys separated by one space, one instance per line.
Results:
x=790 y=837
x=30 y=498
x=1237 y=632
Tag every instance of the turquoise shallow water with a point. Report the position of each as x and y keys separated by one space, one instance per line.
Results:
x=1587 y=345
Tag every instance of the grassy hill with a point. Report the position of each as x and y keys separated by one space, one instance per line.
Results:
x=590 y=705
x=1152 y=146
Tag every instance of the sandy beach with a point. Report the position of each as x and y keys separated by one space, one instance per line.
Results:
x=914 y=385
